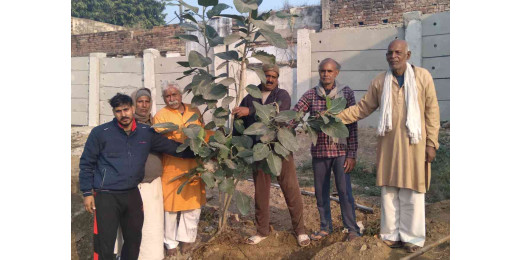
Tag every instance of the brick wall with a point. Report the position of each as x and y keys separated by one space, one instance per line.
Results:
x=348 y=13
x=83 y=26
x=131 y=42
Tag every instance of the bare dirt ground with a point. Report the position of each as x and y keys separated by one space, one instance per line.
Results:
x=281 y=244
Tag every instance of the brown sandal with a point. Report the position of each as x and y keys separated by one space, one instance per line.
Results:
x=411 y=248
x=319 y=235
x=393 y=244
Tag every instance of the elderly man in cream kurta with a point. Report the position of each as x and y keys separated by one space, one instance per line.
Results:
x=408 y=132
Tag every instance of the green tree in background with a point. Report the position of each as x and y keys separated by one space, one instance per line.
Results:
x=130 y=13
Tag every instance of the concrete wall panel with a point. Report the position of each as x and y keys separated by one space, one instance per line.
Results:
x=160 y=78
x=169 y=65
x=353 y=60
x=79 y=91
x=105 y=108
x=121 y=80
x=442 y=86
x=436 y=45
x=356 y=80
x=79 y=77
x=79 y=105
x=444 y=108
x=79 y=63
x=104 y=118
x=439 y=67
x=127 y=65
x=438 y=23
x=373 y=119
x=355 y=38
x=106 y=93
x=79 y=118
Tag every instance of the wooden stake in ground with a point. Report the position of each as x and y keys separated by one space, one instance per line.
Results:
x=426 y=248
x=310 y=193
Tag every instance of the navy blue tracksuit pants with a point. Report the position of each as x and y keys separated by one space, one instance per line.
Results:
x=322 y=170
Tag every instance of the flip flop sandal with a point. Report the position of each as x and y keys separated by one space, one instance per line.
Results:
x=319 y=235
x=253 y=240
x=304 y=240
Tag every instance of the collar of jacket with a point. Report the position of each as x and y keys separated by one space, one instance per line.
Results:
x=119 y=126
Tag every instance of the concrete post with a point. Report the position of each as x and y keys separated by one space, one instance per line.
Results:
x=413 y=35
x=325 y=15
x=303 y=71
x=149 y=56
x=93 y=88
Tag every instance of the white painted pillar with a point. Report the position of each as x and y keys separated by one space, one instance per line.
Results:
x=304 y=65
x=413 y=36
x=149 y=56
x=93 y=88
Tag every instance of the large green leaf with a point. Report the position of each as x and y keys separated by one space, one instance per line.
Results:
x=228 y=55
x=227 y=186
x=192 y=131
x=254 y=91
x=335 y=129
x=217 y=9
x=169 y=127
x=264 y=57
x=264 y=112
x=256 y=129
x=207 y=2
x=245 y=153
x=242 y=141
x=231 y=38
x=184 y=64
x=219 y=121
x=213 y=38
x=189 y=37
x=192 y=118
x=208 y=178
x=189 y=17
x=260 y=73
x=197 y=101
x=210 y=125
x=221 y=112
x=204 y=151
x=287 y=139
x=284 y=15
x=268 y=137
x=243 y=203
x=215 y=92
x=262 y=25
x=219 y=146
x=188 y=26
x=312 y=134
x=226 y=101
x=244 y=6
x=227 y=81
x=193 y=8
x=337 y=105
x=197 y=60
x=220 y=137
x=233 y=16
x=286 y=116
x=328 y=102
x=275 y=163
x=182 y=147
x=239 y=125
x=230 y=164
x=260 y=151
x=279 y=149
x=274 y=38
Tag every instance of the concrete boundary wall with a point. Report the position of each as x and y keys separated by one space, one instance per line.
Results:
x=361 y=53
x=79 y=90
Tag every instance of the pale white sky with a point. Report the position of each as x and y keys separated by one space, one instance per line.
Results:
x=265 y=6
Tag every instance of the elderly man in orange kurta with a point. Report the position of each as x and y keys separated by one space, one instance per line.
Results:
x=408 y=139
x=188 y=203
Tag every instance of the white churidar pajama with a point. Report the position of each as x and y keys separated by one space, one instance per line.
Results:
x=153 y=226
x=183 y=231
x=402 y=215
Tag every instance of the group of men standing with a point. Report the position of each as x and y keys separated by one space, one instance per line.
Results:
x=121 y=164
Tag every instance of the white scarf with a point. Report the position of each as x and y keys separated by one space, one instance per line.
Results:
x=413 y=118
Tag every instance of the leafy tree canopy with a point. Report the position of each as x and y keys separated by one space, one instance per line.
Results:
x=130 y=13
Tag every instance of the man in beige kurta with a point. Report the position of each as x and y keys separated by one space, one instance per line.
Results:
x=403 y=168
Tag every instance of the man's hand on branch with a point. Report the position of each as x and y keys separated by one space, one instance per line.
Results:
x=430 y=154
x=240 y=111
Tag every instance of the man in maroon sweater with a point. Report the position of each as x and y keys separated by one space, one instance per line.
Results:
x=262 y=181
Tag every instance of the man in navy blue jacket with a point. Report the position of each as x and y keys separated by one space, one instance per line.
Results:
x=111 y=167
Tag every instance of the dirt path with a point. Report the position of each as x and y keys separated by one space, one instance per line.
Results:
x=281 y=244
